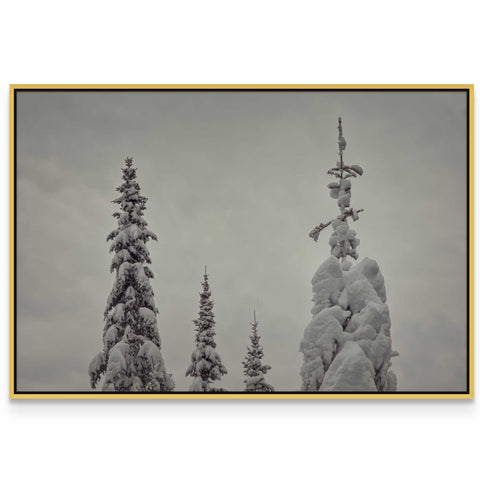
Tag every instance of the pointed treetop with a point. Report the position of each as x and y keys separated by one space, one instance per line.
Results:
x=205 y=280
x=342 y=242
x=252 y=365
x=254 y=324
x=341 y=140
x=255 y=321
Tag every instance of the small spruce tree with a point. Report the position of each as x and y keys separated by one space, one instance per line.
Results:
x=252 y=365
x=131 y=359
x=206 y=365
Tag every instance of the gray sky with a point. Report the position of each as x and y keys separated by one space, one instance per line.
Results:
x=236 y=180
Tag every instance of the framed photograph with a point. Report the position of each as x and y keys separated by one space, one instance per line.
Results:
x=241 y=241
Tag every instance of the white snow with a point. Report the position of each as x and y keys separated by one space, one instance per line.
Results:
x=151 y=352
x=110 y=336
x=147 y=315
x=97 y=366
x=357 y=168
x=369 y=268
x=327 y=284
x=252 y=382
x=349 y=372
x=347 y=345
x=196 y=385
x=142 y=278
x=118 y=312
x=121 y=256
x=117 y=363
x=343 y=240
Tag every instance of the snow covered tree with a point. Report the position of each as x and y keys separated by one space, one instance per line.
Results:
x=206 y=365
x=347 y=346
x=252 y=365
x=131 y=360
x=343 y=241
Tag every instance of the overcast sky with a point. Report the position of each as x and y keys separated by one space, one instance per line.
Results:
x=236 y=180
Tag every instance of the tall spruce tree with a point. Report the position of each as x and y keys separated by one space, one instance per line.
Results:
x=347 y=346
x=206 y=365
x=252 y=365
x=131 y=359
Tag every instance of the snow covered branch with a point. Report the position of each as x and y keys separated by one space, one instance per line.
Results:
x=342 y=242
x=347 y=213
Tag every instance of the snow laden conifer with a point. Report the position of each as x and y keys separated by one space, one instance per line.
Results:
x=131 y=360
x=343 y=241
x=252 y=365
x=347 y=346
x=206 y=365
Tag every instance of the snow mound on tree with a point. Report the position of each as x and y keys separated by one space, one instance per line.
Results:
x=97 y=367
x=152 y=368
x=371 y=271
x=327 y=283
x=147 y=315
x=254 y=383
x=150 y=352
x=197 y=385
x=350 y=371
x=347 y=345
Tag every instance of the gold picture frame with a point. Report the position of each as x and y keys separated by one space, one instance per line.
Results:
x=15 y=394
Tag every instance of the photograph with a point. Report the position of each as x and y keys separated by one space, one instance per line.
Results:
x=241 y=241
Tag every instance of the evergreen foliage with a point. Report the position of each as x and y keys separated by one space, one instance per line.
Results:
x=131 y=359
x=252 y=365
x=206 y=365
